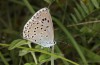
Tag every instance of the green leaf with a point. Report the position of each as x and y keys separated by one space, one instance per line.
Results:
x=74 y=18
x=23 y=52
x=38 y=47
x=78 y=14
x=44 y=58
x=84 y=7
x=92 y=57
x=90 y=6
x=85 y=30
x=17 y=43
x=95 y=3
x=13 y=43
x=81 y=10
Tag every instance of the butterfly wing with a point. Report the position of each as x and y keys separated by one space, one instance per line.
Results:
x=39 y=29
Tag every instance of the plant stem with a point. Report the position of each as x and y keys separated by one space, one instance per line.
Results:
x=33 y=54
x=52 y=58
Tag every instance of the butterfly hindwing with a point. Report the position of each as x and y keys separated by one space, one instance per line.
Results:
x=39 y=29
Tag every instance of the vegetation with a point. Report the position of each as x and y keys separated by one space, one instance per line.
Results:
x=76 y=27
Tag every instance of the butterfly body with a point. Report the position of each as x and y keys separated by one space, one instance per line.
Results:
x=39 y=29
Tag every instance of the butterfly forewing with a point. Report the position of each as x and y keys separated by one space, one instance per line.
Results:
x=39 y=29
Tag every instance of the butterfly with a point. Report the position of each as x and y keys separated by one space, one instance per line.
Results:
x=39 y=29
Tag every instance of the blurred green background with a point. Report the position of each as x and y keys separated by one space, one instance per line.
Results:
x=76 y=27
